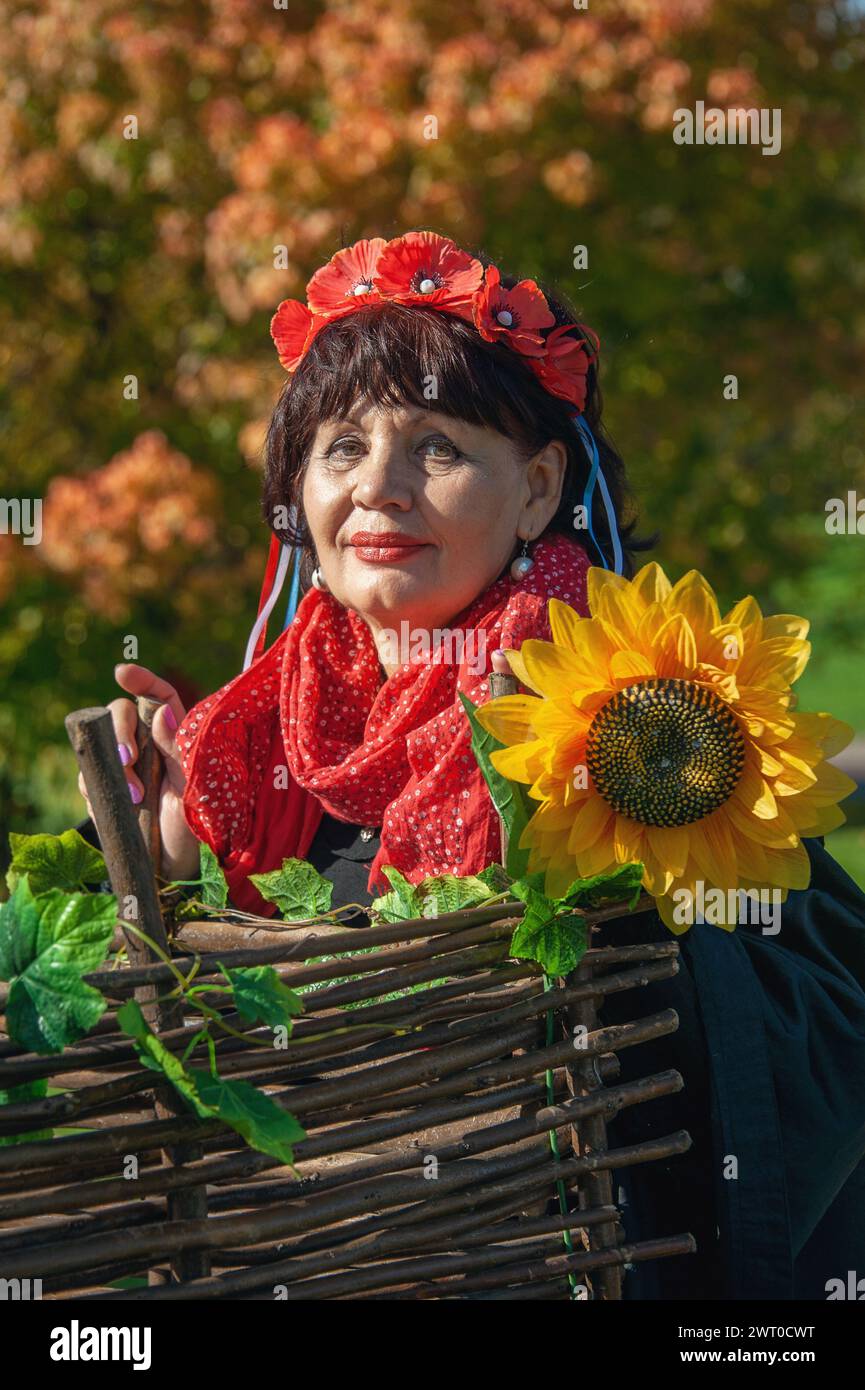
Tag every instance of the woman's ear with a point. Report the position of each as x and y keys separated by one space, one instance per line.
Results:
x=545 y=478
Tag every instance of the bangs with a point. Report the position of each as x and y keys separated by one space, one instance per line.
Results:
x=394 y=355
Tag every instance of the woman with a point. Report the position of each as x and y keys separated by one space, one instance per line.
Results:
x=438 y=457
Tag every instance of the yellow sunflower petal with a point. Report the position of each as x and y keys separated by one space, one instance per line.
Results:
x=746 y=614
x=589 y=824
x=786 y=625
x=676 y=650
x=651 y=583
x=509 y=717
x=601 y=582
x=670 y=844
x=631 y=666
x=565 y=625
x=522 y=762
x=695 y=600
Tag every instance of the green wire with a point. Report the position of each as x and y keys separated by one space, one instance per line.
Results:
x=554 y=1145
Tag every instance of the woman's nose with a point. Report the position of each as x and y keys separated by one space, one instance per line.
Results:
x=382 y=478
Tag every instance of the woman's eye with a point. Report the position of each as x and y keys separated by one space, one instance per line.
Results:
x=344 y=448
x=439 y=450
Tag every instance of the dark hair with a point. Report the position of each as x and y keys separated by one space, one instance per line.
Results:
x=384 y=353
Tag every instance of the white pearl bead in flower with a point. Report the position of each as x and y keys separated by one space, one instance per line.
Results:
x=427 y=286
x=362 y=288
x=505 y=318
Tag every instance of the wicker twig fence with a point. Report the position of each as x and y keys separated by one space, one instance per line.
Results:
x=456 y=1136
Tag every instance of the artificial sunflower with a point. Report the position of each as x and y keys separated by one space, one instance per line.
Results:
x=664 y=733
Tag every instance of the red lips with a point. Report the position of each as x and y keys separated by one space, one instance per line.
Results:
x=385 y=547
x=384 y=538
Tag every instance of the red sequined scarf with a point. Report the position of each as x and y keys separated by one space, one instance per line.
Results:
x=310 y=727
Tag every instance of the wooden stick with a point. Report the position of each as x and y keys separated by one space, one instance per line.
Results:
x=126 y=845
x=149 y=768
x=91 y=733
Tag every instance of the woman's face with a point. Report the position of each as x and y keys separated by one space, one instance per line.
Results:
x=413 y=513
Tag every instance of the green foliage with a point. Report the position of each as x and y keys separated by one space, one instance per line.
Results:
x=47 y=943
x=211 y=882
x=262 y=1123
x=153 y=1054
x=548 y=933
x=260 y=995
x=401 y=904
x=214 y=889
x=432 y=897
x=298 y=890
x=509 y=798
x=551 y=932
x=54 y=861
x=17 y=1095
x=623 y=885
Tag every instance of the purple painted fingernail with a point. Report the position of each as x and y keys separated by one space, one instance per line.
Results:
x=170 y=719
x=134 y=793
x=125 y=754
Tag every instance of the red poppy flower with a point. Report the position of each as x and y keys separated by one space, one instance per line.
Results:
x=346 y=282
x=293 y=328
x=423 y=268
x=564 y=366
x=515 y=316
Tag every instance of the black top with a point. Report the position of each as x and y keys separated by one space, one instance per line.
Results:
x=342 y=853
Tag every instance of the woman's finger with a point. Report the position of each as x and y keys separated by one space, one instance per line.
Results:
x=124 y=716
x=138 y=680
x=164 y=729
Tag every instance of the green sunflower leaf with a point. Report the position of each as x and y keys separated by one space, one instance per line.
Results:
x=510 y=799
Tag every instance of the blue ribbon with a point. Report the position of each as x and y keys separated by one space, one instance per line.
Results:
x=596 y=479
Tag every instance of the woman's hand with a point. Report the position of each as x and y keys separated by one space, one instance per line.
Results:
x=179 y=845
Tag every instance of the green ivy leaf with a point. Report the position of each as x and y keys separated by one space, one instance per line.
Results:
x=447 y=893
x=16 y=1095
x=510 y=799
x=64 y=861
x=622 y=885
x=214 y=887
x=496 y=878
x=259 y=993
x=47 y=942
x=298 y=889
x=556 y=939
x=156 y=1057
x=400 y=905
x=262 y=1123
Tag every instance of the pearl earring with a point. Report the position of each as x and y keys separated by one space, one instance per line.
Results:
x=318 y=579
x=522 y=564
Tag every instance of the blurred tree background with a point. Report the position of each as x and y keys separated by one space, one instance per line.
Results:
x=261 y=124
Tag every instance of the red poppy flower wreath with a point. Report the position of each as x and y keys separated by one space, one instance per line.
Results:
x=430 y=271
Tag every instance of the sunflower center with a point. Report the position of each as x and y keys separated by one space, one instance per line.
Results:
x=665 y=752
